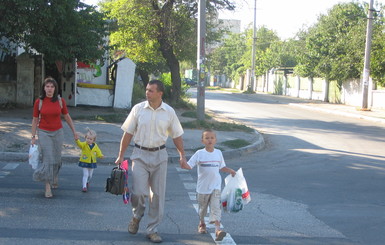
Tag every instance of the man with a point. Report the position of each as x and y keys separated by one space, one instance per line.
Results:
x=149 y=124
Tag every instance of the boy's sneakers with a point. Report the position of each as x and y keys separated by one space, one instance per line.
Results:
x=219 y=235
x=202 y=229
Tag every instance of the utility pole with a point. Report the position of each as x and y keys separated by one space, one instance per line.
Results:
x=366 y=72
x=201 y=59
x=252 y=78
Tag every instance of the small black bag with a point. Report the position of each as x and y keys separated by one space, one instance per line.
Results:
x=117 y=182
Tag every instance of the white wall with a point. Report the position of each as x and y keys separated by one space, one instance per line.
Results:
x=124 y=83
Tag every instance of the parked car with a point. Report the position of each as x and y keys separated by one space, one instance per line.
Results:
x=190 y=82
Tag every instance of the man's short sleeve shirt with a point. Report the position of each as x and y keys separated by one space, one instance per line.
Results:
x=151 y=128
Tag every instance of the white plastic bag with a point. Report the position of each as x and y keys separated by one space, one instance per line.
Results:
x=33 y=157
x=236 y=193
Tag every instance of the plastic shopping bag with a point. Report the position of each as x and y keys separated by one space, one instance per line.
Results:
x=236 y=193
x=33 y=156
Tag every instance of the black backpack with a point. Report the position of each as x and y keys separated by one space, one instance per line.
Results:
x=117 y=182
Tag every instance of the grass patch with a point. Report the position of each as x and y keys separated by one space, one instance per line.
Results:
x=232 y=90
x=109 y=118
x=219 y=126
x=216 y=147
x=235 y=144
x=193 y=114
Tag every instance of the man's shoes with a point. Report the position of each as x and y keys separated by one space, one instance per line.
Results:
x=133 y=226
x=154 y=237
x=202 y=229
x=219 y=235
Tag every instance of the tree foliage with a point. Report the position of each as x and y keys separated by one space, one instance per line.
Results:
x=377 y=64
x=153 y=32
x=234 y=57
x=337 y=42
x=333 y=48
x=61 y=30
x=225 y=59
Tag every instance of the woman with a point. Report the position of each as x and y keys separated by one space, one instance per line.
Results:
x=47 y=126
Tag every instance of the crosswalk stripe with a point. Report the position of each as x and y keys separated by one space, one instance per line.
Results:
x=11 y=166
x=4 y=173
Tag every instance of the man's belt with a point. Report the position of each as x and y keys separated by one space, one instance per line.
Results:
x=150 y=149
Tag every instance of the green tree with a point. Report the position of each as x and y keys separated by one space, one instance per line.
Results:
x=264 y=58
x=377 y=63
x=153 y=32
x=284 y=53
x=61 y=30
x=306 y=60
x=335 y=44
x=226 y=58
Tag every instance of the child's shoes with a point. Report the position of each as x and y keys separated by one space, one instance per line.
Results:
x=202 y=229
x=219 y=235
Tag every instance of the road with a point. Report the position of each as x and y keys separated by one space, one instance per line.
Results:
x=320 y=180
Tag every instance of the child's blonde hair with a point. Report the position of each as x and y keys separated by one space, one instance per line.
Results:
x=90 y=133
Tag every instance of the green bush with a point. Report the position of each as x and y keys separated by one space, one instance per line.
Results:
x=138 y=93
x=166 y=79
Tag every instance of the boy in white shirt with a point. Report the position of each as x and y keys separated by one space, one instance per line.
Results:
x=209 y=161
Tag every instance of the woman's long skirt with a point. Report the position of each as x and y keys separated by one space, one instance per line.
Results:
x=50 y=145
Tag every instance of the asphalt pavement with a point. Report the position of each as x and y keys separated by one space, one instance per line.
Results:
x=15 y=131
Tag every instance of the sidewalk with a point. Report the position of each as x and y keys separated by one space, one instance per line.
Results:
x=374 y=115
x=15 y=132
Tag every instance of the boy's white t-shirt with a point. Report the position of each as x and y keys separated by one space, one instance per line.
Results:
x=209 y=164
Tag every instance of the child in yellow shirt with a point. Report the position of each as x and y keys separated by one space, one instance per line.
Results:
x=90 y=152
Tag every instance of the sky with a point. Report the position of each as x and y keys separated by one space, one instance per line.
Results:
x=285 y=17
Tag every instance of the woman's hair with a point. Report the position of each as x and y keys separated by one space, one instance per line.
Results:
x=90 y=133
x=54 y=83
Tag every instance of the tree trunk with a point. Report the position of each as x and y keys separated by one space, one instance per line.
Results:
x=167 y=48
x=145 y=78
x=310 y=88
x=173 y=65
x=326 y=90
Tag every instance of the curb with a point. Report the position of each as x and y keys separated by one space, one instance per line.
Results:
x=235 y=153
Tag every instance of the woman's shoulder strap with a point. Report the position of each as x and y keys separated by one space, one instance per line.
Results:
x=60 y=101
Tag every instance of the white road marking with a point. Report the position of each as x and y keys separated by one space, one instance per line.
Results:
x=11 y=166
